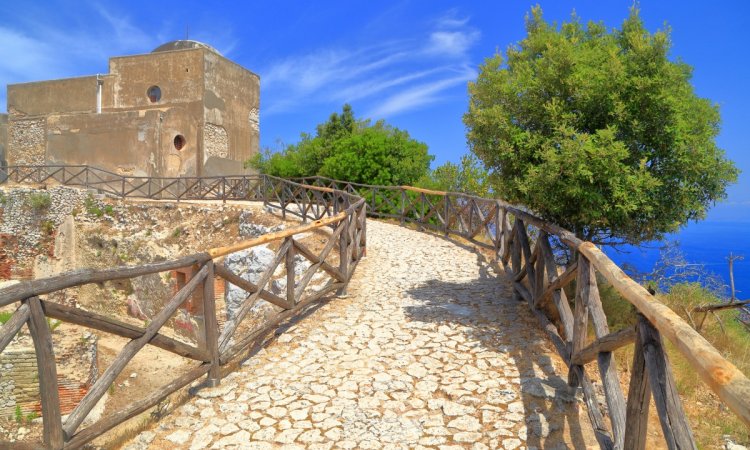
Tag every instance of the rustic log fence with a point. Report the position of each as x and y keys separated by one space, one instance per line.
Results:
x=529 y=248
x=321 y=208
x=525 y=244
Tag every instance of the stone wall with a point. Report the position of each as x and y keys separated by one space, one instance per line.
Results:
x=22 y=226
x=215 y=141
x=27 y=141
x=19 y=378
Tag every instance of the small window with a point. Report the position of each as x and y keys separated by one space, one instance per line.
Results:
x=154 y=94
x=179 y=142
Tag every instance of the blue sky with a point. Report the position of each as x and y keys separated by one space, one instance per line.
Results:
x=407 y=62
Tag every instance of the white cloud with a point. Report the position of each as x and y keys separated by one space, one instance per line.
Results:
x=80 y=43
x=452 y=43
x=421 y=95
x=390 y=77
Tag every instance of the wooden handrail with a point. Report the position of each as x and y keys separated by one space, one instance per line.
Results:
x=313 y=202
x=729 y=383
x=484 y=222
x=723 y=377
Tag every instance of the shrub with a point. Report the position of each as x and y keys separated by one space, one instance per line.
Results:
x=48 y=227
x=92 y=207
x=39 y=200
x=5 y=316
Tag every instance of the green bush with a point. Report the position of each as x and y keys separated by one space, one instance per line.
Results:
x=48 y=226
x=39 y=200
x=92 y=207
x=5 y=316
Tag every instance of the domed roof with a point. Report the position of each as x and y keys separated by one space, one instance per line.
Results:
x=182 y=44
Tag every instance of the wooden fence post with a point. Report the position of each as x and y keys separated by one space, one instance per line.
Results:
x=674 y=423
x=446 y=214
x=580 y=320
x=403 y=206
x=211 y=325
x=639 y=395
x=290 y=298
x=606 y=362
x=344 y=255
x=47 y=369
x=515 y=256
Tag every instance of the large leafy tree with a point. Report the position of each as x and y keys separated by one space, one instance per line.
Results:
x=353 y=150
x=598 y=130
x=468 y=176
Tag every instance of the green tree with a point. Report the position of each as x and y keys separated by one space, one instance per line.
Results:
x=354 y=150
x=468 y=176
x=598 y=131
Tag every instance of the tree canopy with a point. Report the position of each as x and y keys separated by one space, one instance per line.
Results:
x=468 y=176
x=346 y=148
x=598 y=130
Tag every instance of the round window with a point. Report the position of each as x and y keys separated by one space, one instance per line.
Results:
x=154 y=94
x=179 y=142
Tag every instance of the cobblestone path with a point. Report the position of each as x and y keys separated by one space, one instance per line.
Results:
x=428 y=351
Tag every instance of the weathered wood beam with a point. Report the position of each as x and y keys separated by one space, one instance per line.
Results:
x=674 y=424
x=603 y=437
x=275 y=236
x=127 y=353
x=706 y=308
x=9 y=330
x=558 y=294
x=52 y=436
x=250 y=287
x=99 y=322
x=608 y=343
x=230 y=326
x=606 y=362
x=723 y=377
x=27 y=289
x=110 y=421
x=320 y=259
x=639 y=395
x=559 y=282
x=526 y=248
x=211 y=326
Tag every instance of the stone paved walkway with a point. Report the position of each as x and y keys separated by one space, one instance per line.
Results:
x=428 y=351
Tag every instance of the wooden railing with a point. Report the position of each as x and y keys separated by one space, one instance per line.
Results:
x=530 y=248
x=341 y=212
x=236 y=187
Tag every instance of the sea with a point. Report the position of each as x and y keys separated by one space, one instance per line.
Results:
x=708 y=243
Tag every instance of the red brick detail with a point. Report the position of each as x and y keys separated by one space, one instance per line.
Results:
x=8 y=248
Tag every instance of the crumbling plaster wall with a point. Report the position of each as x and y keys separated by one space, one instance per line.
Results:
x=232 y=101
x=27 y=141
x=123 y=142
x=3 y=138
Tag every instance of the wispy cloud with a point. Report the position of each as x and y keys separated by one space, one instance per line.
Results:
x=42 y=45
x=421 y=95
x=389 y=77
x=452 y=43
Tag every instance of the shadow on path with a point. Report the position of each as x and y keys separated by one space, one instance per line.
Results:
x=491 y=319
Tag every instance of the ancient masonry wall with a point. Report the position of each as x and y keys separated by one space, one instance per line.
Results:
x=215 y=141
x=20 y=231
x=27 y=141
x=19 y=380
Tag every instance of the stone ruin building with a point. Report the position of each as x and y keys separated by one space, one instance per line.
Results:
x=181 y=110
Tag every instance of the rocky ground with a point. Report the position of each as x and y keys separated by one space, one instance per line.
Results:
x=428 y=351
